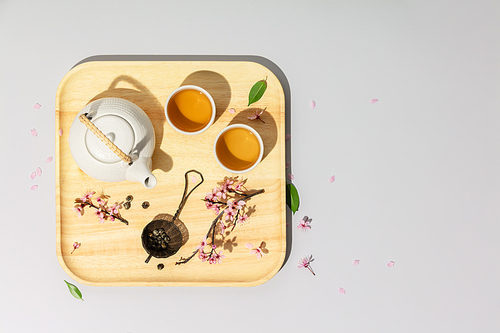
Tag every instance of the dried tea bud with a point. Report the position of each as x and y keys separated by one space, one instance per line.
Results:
x=129 y=198
x=126 y=205
x=145 y=205
x=160 y=267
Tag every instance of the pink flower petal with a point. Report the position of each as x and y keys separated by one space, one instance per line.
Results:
x=34 y=187
x=231 y=110
x=313 y=104
x=390 y=263
x=332 y=179
x=290 y=176
x=342 y=290
x=49 y=159
x=34 y=132
x=60 y=132
x=373 y=101
x=33 y=175
x=288 y=137
x=38 y=172
x=36 y=106
x=355 y=262
x=193 y=179
x=287 y=165
x=249 y=245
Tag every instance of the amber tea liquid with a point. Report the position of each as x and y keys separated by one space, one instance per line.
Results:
x=189 y=110
x=238 y=149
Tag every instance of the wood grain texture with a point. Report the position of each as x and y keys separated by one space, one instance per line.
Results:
x=111 y=253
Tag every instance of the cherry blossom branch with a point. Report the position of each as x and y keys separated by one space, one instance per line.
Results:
x=119 y=218
x=184 y=260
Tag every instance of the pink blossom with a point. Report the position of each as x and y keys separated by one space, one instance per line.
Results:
x=33 y=175
x=36 y=106
x=79 y=210
x=87 y=196
x=242 y=219
x=60 y=132
x=216 y=258
x=239 y=186
x=115 y=208
x=342 y=290
x=355 y=262
x=34 y=132
x=256 y=115
x=100 y=201
x=232 y=110
x=202 y=244
x=257 y=251
x=331 y=179
x=33 y=187
x=222 y=227
x=49 y=159
x=100 y=214
x=304 y=224
x=228 y=185
x=374 y=100
x=76 y=245
x=230 y=213
x=306 y=263
x=202 y=255
x=390 y=263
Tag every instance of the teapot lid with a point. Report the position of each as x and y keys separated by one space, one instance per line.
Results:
x=116 y=129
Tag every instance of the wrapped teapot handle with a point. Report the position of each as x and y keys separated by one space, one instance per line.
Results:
x=86 y=121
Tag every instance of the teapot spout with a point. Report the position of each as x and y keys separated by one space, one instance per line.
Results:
x=140 y=171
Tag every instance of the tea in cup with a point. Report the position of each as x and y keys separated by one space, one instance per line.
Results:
x=190 y=110
x=238 y=148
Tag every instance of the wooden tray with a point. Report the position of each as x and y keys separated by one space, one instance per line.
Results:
x=111 y=254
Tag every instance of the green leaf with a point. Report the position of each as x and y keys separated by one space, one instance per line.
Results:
x=292 y=197
x=74 y=290
x=257 y=91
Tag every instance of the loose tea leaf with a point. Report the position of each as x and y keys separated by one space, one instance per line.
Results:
x=74 y=290
x=257 y=91
x=292 y=197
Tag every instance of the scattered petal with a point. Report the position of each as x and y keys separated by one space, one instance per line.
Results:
x=34 y=132
x=49 y=159
x=34 y=187
x=231 y=110
x=313 y=104
x=60 y=132
x=332 y=179
x=290 y=176
x=355 y=262
x=36 y=106
x=288 y=137
x=342 y=290
x=33 y=175
x=38 y=171
x=193 y=179
x=287 y=165
x=390 y=263
x=373 y=101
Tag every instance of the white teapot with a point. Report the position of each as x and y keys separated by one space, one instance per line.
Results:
x=128 y=128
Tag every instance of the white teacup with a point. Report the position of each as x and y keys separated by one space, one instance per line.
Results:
x=238 y=148
x=190 y=110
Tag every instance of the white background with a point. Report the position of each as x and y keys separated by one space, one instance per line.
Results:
x=417 y=173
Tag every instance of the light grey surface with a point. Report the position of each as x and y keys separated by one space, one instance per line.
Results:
x=416 y=173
